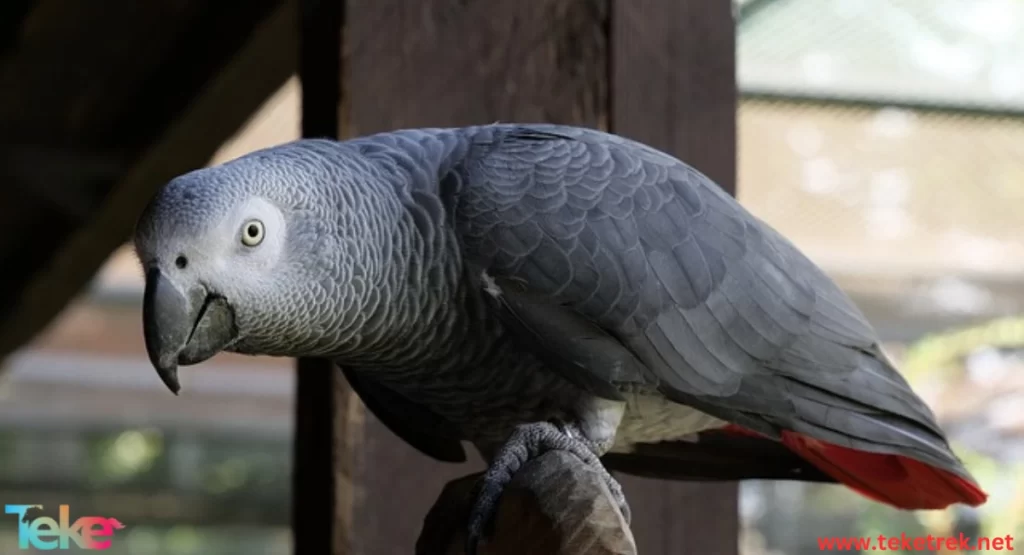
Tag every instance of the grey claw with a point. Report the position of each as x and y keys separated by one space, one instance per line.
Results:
x=529 y=441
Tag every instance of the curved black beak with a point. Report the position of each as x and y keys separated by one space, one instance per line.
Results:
x=182 y=328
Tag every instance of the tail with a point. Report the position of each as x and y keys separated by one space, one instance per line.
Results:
x=896 y=480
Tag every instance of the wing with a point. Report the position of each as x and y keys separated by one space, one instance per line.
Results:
x=416 y=425
x=722 y=312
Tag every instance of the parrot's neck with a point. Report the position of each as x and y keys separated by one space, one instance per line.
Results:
x=425 y=310
x=449 y=331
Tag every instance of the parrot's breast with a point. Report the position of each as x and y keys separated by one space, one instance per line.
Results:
x=650 y=418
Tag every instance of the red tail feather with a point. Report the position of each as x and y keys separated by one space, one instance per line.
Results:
x=896 y=480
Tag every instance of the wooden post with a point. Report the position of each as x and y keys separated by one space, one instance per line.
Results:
x=669 y=66
x=446 y=63
x=674 y=88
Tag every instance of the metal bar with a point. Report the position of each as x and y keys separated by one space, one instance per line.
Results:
x=837 y=100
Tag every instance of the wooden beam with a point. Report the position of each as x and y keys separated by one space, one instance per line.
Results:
x=64 y=179
x=184 y=110
x=674 y=87
x=458 y=62
x=445 y=63
x=467 y=62
x=674 y=80
x=12 y=13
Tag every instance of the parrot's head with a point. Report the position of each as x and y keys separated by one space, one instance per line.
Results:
x=259 y=255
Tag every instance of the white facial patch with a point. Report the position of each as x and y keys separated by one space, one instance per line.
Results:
x=230 y=265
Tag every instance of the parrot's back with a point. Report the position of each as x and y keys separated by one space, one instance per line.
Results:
x=619 y=272
x=712 y=307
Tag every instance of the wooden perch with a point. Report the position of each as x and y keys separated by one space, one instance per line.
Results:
x=554 y=505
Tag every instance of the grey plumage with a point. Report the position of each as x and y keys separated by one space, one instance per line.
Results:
x=469 y=280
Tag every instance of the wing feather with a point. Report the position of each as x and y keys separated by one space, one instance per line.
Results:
x=725 y=314
x=413 y=423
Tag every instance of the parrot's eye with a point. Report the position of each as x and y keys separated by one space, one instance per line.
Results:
x=252 y=233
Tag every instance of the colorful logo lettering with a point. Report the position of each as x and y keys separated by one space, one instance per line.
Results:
x=45 y=534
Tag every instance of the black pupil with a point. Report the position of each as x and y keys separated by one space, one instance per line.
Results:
x=252 y=230
x=181 y=262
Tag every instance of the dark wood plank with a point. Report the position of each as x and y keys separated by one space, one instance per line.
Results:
x=458 y=62
x=673 y=86
x=464 y=62
x=674 y=80
x=327 y=432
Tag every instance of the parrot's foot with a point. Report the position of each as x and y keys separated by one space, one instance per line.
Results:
x=527 y=442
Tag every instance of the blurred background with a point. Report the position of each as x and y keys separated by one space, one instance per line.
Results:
x=884 y=137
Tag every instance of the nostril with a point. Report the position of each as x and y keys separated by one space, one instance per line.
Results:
x=181 y=262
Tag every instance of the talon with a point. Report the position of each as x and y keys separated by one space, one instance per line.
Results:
x=627 y=513
x=527 y=442
x=567 y=430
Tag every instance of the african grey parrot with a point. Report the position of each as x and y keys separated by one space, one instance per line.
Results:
x=535 y=287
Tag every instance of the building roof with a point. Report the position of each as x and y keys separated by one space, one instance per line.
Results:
x=951 y=53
